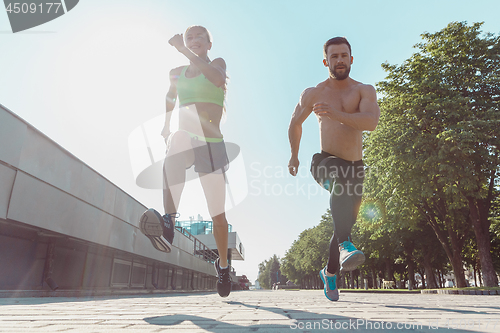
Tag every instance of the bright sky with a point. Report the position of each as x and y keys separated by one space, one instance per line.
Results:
x=91 y=77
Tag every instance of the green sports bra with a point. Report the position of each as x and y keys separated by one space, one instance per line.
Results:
x=198 y=89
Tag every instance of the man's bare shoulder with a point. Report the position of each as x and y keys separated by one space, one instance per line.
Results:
x=306 y=96
x=310 y=93
x=366 y=89
x=362 y=86
x=307 y=92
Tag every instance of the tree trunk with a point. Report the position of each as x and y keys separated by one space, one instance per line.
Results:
x=481 y=224
x=411 y=273
x=474 y=270
x=422 y=276
x=389 y=269
x=458 y=270
x=454 y=252
x=374 y=279
x=480 y=278
x=409 y=247
x=456 y=261
x=429 y=272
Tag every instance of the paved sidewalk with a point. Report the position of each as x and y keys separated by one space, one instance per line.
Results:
x=253 y=311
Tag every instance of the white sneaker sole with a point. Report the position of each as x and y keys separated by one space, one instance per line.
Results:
x=150 y=226
x=353 y=261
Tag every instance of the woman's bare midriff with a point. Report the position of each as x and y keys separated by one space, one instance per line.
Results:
x=202 y=119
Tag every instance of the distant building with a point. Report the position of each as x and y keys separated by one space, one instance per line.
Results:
x=203 y=231
x=257 y=284
x=65 y=226
x=198 y=226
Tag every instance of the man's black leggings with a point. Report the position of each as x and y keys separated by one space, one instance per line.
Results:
x=344 y=180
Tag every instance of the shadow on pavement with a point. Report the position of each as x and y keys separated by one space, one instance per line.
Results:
x=442 y=309
x=304 y=321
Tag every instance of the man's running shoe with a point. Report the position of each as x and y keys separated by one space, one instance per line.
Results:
x=330 y=282
x=159 y=229
x=350 y=257
x=223 y=281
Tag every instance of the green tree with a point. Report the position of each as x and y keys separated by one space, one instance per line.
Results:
x=309 y=253
x=291 y=263
x=363 y=236
x=428 y=253
x=270 y=273
x=436 y=147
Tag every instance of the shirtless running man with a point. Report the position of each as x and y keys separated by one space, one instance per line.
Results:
x=344 y=108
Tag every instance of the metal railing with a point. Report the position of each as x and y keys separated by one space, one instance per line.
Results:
x=200 y=250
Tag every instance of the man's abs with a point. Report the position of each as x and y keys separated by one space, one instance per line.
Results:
x=341 y=140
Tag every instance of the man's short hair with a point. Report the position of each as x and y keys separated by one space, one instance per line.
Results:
x=336 y=41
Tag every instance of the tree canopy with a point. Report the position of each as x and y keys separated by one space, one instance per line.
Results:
x=431 y=192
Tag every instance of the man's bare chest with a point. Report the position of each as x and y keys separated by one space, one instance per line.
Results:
x=344 y=101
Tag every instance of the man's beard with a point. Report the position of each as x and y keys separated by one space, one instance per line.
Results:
x=340 y=76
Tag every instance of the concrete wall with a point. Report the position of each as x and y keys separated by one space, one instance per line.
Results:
x=47 y=195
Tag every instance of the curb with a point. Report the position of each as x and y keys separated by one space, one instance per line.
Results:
x=423 y=291
x=461 y=292
x=378 y=291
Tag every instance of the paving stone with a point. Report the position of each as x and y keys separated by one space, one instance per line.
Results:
x=253 y=311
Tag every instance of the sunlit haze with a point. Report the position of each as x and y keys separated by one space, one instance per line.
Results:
x=92 y=77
